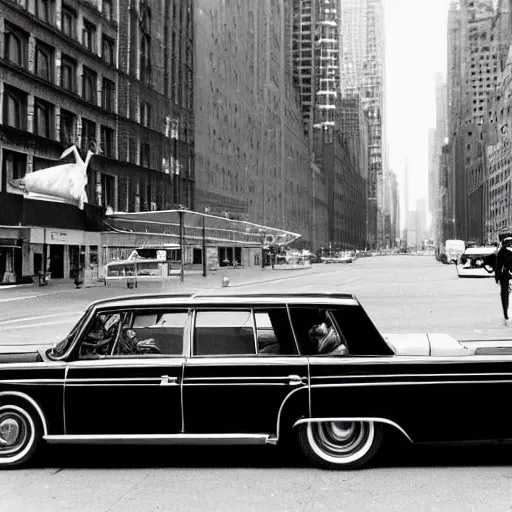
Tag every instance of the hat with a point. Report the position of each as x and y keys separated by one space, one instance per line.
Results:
x=507 y=239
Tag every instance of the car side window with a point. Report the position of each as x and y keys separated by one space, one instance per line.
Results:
x=273 y=332
x=148 y=333
x=316 y=332
x=224 y=333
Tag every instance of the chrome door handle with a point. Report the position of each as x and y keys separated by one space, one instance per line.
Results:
x=295 y=380
x=168 y=381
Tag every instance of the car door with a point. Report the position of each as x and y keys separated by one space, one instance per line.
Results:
x=122 y=390
x=244 y=371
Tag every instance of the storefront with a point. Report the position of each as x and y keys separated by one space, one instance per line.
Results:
x=64 y=251
x=225 y=242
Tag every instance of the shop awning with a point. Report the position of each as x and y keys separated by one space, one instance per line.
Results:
x=218 y=230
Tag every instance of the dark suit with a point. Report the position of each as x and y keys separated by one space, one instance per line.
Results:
x=503 y=275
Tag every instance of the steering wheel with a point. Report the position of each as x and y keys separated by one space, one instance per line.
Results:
x=103 y=347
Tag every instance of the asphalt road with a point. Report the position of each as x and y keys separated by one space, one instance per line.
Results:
x=401 y=294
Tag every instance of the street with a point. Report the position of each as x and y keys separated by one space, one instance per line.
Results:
x=400 y=294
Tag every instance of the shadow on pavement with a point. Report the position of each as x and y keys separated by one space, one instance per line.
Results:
x=264 y=457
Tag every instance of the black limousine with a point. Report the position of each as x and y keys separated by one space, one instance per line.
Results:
x=224 y=368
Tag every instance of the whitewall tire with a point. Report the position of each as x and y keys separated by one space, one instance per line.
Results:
x=20 y=433
x=340 y=444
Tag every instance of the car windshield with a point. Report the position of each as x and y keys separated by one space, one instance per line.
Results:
x=61 y=347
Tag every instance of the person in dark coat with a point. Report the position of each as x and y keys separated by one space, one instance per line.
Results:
x=503 y=273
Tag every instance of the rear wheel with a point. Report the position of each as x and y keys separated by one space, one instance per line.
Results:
x=20 y=434
x=339 y=444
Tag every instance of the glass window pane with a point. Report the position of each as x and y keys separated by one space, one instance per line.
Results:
x=274 y=332
x=224 y=332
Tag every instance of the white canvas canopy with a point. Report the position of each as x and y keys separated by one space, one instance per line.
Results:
x=61 y=183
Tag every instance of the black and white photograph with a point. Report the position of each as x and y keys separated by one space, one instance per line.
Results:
x=255 y=255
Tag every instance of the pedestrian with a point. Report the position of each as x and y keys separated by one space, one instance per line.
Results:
x=503 y=273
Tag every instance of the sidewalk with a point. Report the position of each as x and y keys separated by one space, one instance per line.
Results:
x=192 y=282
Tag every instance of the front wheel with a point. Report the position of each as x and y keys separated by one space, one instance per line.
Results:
x=19 y=435
x=340 y=444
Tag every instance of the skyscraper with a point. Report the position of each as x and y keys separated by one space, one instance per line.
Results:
x=363 y=72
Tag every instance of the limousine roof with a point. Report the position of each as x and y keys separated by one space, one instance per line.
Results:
x=228 y=297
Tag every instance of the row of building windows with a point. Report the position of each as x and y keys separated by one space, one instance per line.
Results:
x=16 y=49
x=45 y=10
x=15 y=114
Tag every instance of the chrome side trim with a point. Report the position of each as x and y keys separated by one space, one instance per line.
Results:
x=278 y=426
x=32 y=381
x=114 y=379
x=238 y=384
x=420 y=375
x=135 y=362
x=213 y=379
x=160 y=439
x=32 y=366
x=356 y=418
x=245 y=361
x=33 y=403
x=409 y=383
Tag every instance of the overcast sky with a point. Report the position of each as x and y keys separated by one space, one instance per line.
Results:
x=415 y=39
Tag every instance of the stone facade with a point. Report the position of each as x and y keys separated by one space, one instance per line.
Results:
x=252 y=157
x=95 y=71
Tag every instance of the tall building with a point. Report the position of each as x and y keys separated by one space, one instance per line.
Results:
x=437 y=139
x=474 y=55
x=115 y=80
x=363 y=68
x=456 y=175
x=497 y=129
x=252 y=155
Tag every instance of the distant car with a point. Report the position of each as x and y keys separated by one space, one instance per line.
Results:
x=477 y=262
x=232 y=369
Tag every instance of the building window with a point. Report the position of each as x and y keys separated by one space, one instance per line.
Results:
x=67 y=127
x=44 y=10
x=44 y=61
x=144 y=154
x=145 y=114
x=145 y=59
x=89 y=36
x=15 y=108
x=107 y=95
x=108 y=189
x=132 y=149
x=68 y=74
x=89 y=81
x=108 y=50
x=107 y=9
x=107 y=141
x=14 y=167
x=43 y=118
x=88 y=135
x=15 y=45
x=69 y=22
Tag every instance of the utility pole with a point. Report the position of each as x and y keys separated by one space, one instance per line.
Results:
x=182 y=271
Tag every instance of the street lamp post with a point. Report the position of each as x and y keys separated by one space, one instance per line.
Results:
x=206 y=210
x=182 y=270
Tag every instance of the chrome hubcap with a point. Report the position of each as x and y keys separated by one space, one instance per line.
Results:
x=342 y=440
x=14 y=432
x=9 y=431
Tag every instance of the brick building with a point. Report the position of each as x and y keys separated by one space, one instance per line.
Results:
x=119 y=83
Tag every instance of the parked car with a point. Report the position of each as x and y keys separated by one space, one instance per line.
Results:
x=477 y=261
x=225 y=368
